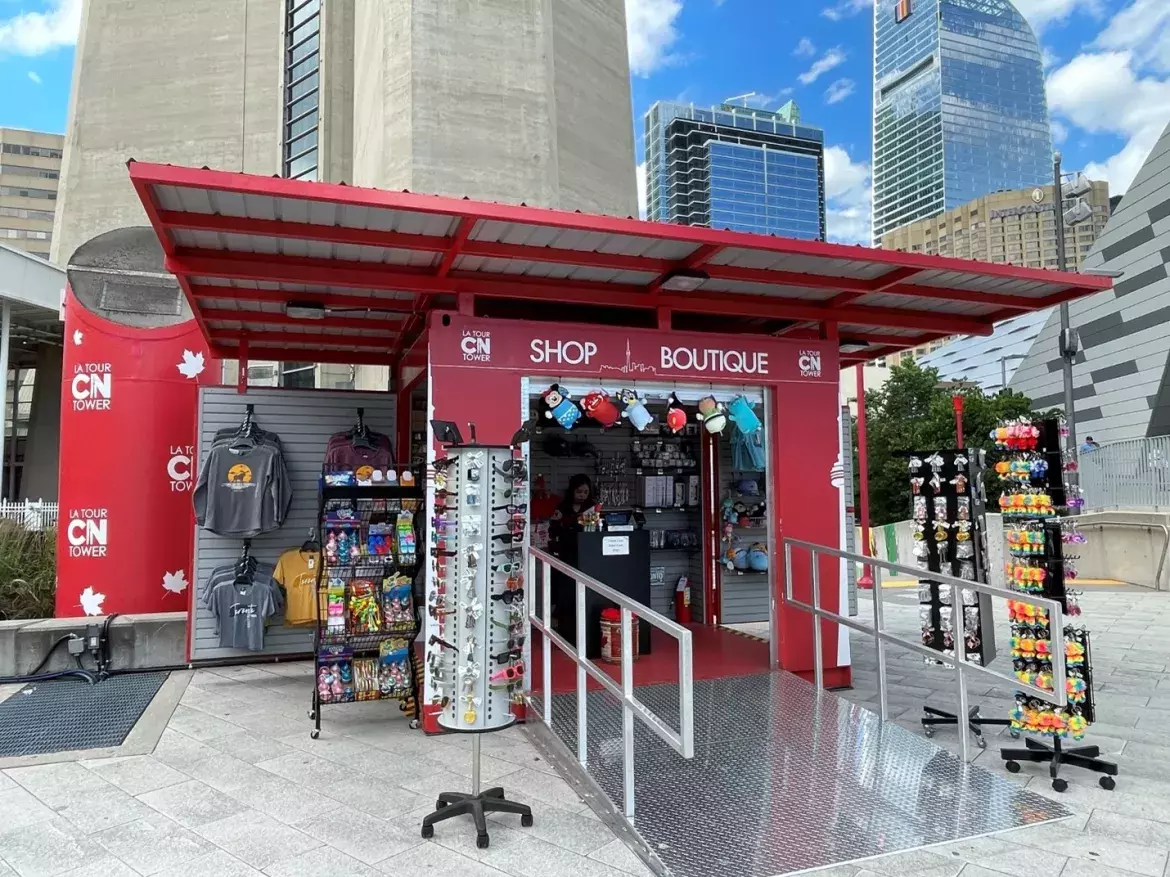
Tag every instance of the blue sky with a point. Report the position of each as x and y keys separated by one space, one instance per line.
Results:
x=1108 y=65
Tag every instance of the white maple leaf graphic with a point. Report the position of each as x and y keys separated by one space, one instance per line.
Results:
x=175 y=582
x=78 y=337
x=91 y=602
x=192 y=364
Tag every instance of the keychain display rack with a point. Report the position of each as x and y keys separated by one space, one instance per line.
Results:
x=366 y=618
x=1040 y=560
x=476 y=651
x=948 y=511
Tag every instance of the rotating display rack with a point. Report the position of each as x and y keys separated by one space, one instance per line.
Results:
x=948 y=514
x=366 y=617
x=476 y=649
x=1040 y=560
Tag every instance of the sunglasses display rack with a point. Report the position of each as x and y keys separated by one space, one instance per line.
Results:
x=1040 y=557
x=366 y=620
x=949 y=521
x=476 y=627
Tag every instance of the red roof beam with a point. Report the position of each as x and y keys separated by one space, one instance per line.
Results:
x=319 y=341
x=206 y=292
x=878 y=284
x=291 y=354
x=333 y=322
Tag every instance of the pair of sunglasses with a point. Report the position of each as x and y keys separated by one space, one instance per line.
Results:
x=510 y=596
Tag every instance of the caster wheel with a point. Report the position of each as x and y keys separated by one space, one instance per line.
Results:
x=1107 y=783
x=439 y=805
x=1012 y=766
x=981 y=742
x=312 y=715
x=1015 y=734
x=1059 y=785
x=428 y=831
x=482 y=841
x=314 y=734
x=526 y=819
x=928 y=731
x=415 y=724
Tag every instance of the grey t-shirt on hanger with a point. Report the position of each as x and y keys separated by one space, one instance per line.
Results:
x=236 y=496
x=241 y=612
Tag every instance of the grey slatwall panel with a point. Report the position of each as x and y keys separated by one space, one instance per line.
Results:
x=558 y=470
x=304 y=420
x=745 y=598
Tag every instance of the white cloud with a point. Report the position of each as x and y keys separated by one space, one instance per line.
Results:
x=846 y=9
x=32 y=74
x=839 y=90
x=640 y=176
x=1048 y=57
x=1143 y=27
x=805 y=48
x=35 y=33
x=1103 y=93
x=831 y=59
x=1041 y=13
x=1059 y=132
x=650 y=25
x=848 y=193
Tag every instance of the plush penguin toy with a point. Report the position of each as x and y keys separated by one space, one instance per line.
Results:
x=635 y=409
x=598 y=407
x=560 y=407
x=676 y=418
x=712 y=415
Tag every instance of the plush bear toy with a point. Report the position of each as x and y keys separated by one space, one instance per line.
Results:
x=560 y=407
x=712 y=415
x=598 y=407
x=635 y=409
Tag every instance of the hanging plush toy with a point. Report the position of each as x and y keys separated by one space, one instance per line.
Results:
x=712 y=415
x=560 y=407
x=742 y=415
x=758 y=557
x=598 y=407
x=635 y=409
x=676 y=418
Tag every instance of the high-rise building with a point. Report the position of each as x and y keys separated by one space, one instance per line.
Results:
x=959 y=107
x=30 y=165
x=523 y=100
x=738 y=168
x=1013 y=228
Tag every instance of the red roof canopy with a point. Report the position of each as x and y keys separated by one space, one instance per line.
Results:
x=372 y=262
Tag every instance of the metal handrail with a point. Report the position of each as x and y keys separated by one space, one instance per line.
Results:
x=1058 y=696
x=682 y=741
x=1135 y=525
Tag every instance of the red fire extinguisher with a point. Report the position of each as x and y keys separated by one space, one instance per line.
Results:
x=682 y=601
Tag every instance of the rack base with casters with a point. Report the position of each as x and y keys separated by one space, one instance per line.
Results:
x=975 y=722
x=1055 y=755
x=452 y=804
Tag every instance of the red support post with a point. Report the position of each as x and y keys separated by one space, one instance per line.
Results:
x=957 y=403
x=866 y=580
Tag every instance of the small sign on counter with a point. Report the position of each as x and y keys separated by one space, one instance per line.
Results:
x=612 y=546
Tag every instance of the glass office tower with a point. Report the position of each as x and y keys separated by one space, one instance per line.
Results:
x=959 y=107
x=736 y=168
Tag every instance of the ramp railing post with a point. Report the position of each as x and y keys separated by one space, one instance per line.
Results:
x=879 y=618
x=627 y=712
x=582 y=721
x=961 y=679
x=545 y=639
x=819 y=665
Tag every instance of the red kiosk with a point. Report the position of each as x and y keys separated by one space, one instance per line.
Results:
x=471 y=304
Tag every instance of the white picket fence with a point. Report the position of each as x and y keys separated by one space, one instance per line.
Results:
x=31 y=514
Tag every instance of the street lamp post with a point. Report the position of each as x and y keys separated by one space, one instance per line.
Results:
x=1068 y=338
x=1003 y=381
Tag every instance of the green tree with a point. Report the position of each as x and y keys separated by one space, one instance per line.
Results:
x=912 y=412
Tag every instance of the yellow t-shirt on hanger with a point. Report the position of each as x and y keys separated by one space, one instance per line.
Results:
x=297 y=571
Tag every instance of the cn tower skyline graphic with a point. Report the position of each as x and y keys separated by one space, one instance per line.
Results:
x=630 y=367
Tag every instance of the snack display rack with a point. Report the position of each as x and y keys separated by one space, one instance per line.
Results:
x=476 y=649
x=366 y=616
x=1039 y=560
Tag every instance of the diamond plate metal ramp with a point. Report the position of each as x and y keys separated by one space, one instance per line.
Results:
x=786 y=779
x=67 y=714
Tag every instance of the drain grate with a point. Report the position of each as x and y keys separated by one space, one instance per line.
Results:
x=67 y=714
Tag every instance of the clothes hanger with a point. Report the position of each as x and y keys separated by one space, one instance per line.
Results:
x=360 y=434
x=311 y=543
x=246 y=434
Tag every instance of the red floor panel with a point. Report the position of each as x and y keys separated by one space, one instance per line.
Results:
x=718 y=652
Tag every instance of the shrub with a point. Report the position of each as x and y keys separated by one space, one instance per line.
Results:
x=28 y=572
